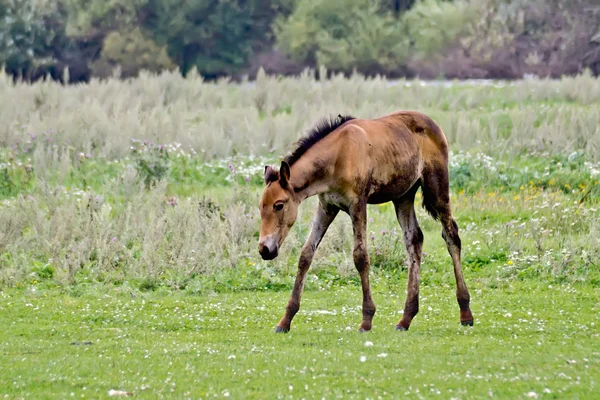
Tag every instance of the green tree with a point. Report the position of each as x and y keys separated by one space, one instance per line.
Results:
x=131 y=51
x=94 y=19
x=397 y=6
x=215 y=36
x=30 y=30
x=343 y=35
x=433 y=25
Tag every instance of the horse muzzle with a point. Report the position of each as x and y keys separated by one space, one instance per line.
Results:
x=268 y=249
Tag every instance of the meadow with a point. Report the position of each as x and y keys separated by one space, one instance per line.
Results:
x=129 y=227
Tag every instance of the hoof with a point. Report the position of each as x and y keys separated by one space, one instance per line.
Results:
x=467 y=323
x=361 y=330
x=400 y=328
x=281 y=330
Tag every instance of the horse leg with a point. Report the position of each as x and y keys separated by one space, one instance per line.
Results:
x=450 y=235
x=436 y=200
x=358 y=213
x=413 y=240
x=323 y=218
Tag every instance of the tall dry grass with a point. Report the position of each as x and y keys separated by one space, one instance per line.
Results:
x=218 y=119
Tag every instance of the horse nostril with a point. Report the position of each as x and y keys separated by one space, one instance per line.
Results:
x=263 y=250
x=266 y=253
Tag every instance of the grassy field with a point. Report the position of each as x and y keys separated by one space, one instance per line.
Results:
x=129 y=227
x=530 y=340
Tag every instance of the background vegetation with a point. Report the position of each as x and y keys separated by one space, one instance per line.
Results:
x=426 y=38
x=157 y=178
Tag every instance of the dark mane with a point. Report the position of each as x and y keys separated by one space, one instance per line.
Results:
x=323 y=128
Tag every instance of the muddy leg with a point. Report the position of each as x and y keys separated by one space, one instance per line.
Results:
x=413 y=239
x=450 y=235
x=324 y=217
x=361 y=261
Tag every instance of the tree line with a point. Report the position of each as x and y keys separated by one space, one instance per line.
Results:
x=77 y=40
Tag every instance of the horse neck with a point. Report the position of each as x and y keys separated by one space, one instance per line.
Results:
x=310 y=178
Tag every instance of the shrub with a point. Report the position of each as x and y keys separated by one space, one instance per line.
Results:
x=151 y=161
x=130 y=51
x=30 y=30
x=433 y=25
x=343 y=35
x=95 y=18
x=216 y=37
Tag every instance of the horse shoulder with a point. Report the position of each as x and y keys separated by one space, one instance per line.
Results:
x=353 y=149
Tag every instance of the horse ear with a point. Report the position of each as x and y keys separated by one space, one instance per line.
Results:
x=270 y=174
x=284 y=174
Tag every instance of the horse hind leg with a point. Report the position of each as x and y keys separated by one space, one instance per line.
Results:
x=413 y=239
x=436 y=200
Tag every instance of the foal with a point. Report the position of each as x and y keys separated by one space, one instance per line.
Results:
x=349 y=163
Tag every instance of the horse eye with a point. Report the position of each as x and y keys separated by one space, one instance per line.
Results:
x=278 y=206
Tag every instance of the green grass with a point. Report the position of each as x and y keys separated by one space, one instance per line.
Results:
x=528 y=337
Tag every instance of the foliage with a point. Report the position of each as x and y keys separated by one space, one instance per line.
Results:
x=343 y=36
x=397 y=6
x=215 y=37
x=96 y=18
x=429 y=38
x=151 y=162
x=30 y=33
x=433 y=25
x=130 y=51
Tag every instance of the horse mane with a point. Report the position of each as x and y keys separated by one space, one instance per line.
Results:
x=321 y=129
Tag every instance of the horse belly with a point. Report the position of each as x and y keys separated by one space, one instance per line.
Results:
x=394 y=172
x=392 y=190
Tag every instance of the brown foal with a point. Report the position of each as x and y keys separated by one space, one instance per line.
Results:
x=349 y=163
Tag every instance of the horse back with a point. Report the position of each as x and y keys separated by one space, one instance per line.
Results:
x=388 y=155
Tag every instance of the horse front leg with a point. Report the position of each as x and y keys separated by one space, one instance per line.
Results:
x=323 y=218
x=361 y=262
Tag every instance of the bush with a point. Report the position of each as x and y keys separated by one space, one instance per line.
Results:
x=30 y=31
x=131 y=52
x=433 y=25
x=216 y=37
x=504 y=38
x=343 y=35
x=93 y=19
x=429 y=38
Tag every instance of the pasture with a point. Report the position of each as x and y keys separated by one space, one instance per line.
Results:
x=129 y=228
